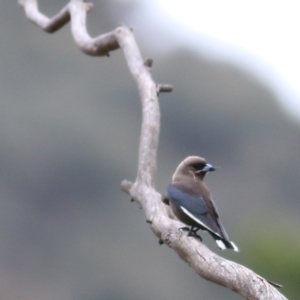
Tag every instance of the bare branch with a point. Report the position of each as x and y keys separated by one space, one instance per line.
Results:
x=49 y=25
x=206 y=263
x=98 y=46
x=150 y=107
x=164 y=88
x=148 y=62
x=76 y=12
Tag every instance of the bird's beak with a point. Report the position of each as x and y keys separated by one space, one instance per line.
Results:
x=208 y=168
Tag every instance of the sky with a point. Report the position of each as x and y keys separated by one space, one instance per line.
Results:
x=260 y=35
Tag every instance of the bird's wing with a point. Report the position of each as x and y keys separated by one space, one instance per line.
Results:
x=224 y=233
x=193 y=204
x=194 y=207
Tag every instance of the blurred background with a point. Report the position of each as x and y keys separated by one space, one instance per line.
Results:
x=69 y=135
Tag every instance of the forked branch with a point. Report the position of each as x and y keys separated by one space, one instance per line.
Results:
x=206 y=263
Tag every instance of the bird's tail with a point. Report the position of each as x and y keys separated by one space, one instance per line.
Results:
x=224 y=244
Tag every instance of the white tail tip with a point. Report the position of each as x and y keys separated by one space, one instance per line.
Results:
x=220 y=244
x=235 y=248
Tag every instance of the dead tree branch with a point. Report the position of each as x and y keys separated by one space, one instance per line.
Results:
x=206 y=263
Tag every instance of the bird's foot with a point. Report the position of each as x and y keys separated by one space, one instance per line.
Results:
x=184 y=229
x=191 y=232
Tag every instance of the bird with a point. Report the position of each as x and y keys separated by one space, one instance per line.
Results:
x=192 y=203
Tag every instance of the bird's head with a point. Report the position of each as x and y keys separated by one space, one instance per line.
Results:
x=193 y=166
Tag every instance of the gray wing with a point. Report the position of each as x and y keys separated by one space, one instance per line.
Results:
x=195 y=208
x=223 y=231
x=193 y=204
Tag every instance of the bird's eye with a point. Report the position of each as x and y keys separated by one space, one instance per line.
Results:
x=199 y=166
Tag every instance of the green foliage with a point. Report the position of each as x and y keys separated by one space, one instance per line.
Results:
x=272 y=250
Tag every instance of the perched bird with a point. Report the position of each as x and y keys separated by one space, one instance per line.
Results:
x=192 y=203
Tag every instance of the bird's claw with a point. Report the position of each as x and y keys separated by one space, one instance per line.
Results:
x=184 y=229
x=191 y=232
